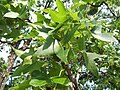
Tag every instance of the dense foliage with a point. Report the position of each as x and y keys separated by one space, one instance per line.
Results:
x=60 y=44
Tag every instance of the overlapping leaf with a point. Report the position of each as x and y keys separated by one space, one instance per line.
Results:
x=102 y=36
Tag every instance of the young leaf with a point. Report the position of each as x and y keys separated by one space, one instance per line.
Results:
x=57 y=17
x=74 y=15
x=27 y=60
x=40 y=17
x=62 y=81
x=11 y=14
x=18 y=52
x=38 y=83
x=60 y=7
x=62 y=54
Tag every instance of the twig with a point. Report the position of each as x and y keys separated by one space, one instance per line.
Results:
x=103 y=2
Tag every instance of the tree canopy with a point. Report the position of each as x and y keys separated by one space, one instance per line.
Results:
x=60 y=44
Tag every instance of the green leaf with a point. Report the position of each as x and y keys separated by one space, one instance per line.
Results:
x=96 y=32
x=55 y=70
x=27 y=60
x=57 y=17
x=53 y=48
x=62 y=54
x=74 y=15
x=105 y=37
x=40 y=17
x=76 y=5
x=22 y=86
x=60 y=7
x=23 y=13
x=75 y=1
x=49 y=41
x=27 y=68
x=69 y=35
x=92 y=56
x=11 y=14
x=72 y=55
x=18 y=52
x=38 y=83
x=59 y=80
x=81 y=43
x=90 y=64
x=3 y=8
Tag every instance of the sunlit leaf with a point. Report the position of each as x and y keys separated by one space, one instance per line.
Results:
x=102 y=36
x=62 y=81
x=75 y=1
x=78 y=4
x=53 y=48
x=57 y=17
x=37 y=83
x=105 y=37
x=18 y=52
x=11 y=15
x=74 y=15
x=62 y=54
x=60 y=7
x=92 y=56
x=27 y=60
x=40 y=17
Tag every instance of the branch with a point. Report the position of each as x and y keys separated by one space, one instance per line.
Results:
x=4 y=78
x=109 y=9
x=103 y=2
x=73 y=80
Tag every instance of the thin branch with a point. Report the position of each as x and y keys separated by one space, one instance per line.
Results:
x=103 y=2
x=110 y=9
x=73 y=80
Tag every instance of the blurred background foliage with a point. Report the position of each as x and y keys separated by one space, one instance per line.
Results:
x=59 y=44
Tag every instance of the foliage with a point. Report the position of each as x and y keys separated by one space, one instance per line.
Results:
x=64 y=46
